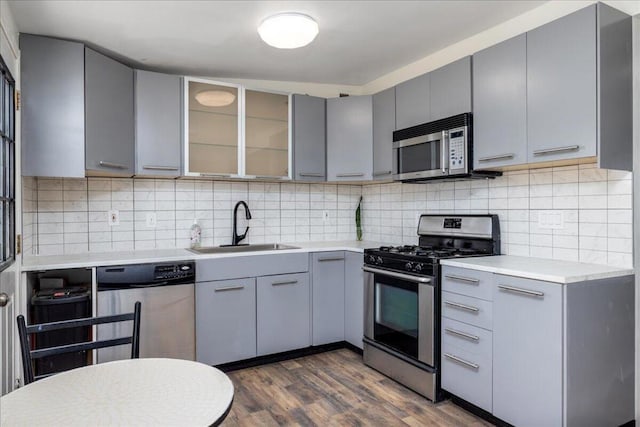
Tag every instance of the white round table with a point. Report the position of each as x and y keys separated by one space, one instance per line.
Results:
x=126 y=392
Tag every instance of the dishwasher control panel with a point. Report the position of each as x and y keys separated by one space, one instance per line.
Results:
x=145 y=275
x=174 y=271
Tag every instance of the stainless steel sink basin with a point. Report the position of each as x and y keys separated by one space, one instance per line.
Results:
x=243 y=248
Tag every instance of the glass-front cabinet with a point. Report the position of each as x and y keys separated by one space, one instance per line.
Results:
x=235 y=132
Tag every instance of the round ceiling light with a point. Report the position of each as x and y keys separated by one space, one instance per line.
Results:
x=215 y=98
x=288 y=30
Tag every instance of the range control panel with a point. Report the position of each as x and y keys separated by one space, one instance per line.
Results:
x=457 y=151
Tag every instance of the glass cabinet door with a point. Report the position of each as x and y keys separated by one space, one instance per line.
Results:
x=212 y=123
x=266 y=134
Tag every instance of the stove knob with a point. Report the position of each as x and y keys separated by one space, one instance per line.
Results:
x=408 y=266
x=379 y=260
x=371 y=259
x=418 y=268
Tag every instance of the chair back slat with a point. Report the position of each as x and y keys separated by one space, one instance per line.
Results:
x=29 y=355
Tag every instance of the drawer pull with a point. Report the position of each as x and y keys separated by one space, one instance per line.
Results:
x=462 y=334
x=216 y=175
x=287 y=282
x=160 y=168
x=349 y=175
x=111 y=165
x=331 y=259
x=498 y=157
x=462 y=306
x=229 y=288
x=462 y=361
x=382 y=173
x=556 y=150
x=521 y=291
x=268 y=177
x=311 y=174
x=463 y=279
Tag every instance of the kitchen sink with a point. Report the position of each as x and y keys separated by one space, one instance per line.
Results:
x=242 y=248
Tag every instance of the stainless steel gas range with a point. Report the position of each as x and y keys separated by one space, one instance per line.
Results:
x=402 y=297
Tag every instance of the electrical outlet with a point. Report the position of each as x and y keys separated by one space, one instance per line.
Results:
x=114 y=217
x=151 y=220
x=551 y=220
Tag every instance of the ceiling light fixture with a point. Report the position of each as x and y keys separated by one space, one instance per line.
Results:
x=288 y=30
x=215 y=98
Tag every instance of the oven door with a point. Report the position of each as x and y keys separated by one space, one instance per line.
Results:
x=422 y=156
x=399 y=312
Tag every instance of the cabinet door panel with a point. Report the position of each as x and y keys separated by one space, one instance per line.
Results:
x=349 y=138
x=158 y=124
x=450 y=89
x=309 y=138
x=527 y=352
x=328 y=297
x=500 y=104
x=354 y=299
x=412 y=102
x=52 y=73
x=561 y=88
x=384 y=123
x=109 y=115
x=283 y=314
x=225 y=321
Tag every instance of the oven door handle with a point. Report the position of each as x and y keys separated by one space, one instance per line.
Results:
x=407 y=277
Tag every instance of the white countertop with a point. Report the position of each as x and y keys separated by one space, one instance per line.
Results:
x=95 y=259
x=548 y=270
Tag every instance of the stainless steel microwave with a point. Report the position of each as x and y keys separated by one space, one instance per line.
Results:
x=436 y=150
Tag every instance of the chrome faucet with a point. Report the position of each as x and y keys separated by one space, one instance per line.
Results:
x=238 y=238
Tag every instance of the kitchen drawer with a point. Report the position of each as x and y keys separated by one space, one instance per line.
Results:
x=473 y=311
x=233 y=267
x=474 y=340
x=468 y=282
x=468 y=375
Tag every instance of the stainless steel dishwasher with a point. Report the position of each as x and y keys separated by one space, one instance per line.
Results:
x=166 y=291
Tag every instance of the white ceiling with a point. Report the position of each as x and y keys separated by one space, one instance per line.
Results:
x=359 y=41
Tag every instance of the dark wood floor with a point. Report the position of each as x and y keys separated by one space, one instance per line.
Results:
x=333 y=389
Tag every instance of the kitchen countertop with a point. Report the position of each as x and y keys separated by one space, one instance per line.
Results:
x=547 y=270
x=95 y=259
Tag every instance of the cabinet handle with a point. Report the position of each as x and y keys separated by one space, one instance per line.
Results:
x=111 y=165
x=216 y=175
x=287 y=282
x=316 y=175
x=498 y=157
x=267 y=177
x=463 y=279
x=331 y=259
x=556 y=150
x=349 y=175
x=462 y=334
x=382 y=173
x=462 y=361
x=521 y=291
x=462 y=306
x=160 y=168
x=230 y=288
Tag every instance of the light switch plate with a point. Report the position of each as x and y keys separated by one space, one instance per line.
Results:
x=551 y=220
x=113 y=217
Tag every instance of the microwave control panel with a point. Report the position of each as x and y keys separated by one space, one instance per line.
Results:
x=457 y=151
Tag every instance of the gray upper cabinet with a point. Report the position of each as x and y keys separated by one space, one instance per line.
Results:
x=384 y=123
x=109 y=117
x=450 y=89
x=500 y=104
x=328 y=297
x=158 y=123
x=412 y=102
x=349 y=138
x=52 y=80
x=309 y=138
x=579 y=88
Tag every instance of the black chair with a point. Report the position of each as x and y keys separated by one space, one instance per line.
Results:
x=29 y=355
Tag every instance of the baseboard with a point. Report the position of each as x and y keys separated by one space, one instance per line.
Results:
x=470 y=407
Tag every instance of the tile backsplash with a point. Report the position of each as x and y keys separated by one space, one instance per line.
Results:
x=70 y=215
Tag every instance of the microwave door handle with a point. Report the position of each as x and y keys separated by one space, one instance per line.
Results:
x=444 y=152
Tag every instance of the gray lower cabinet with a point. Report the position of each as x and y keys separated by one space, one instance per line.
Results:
x=450 y=89
x=354 y=299
x=52 y=80
x=384 y=123
x=309 y=137
x=500 y=104
x=412 y=102
x=283 y=313
x=349 y=138
x=328 y=284
x=158 y=124
x=225 y=321
x=109 y=117
x=527 y=352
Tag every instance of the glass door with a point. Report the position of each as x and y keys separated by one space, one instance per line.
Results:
x=422 y=156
